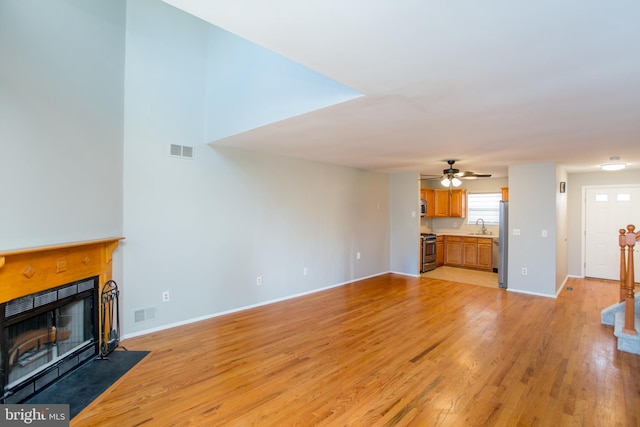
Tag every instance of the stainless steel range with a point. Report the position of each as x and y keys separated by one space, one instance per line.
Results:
x=428 y=252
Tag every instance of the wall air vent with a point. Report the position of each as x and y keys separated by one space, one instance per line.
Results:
x=144 y=314
x=182 y=151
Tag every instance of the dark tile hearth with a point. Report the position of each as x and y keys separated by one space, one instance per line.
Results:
x=82 y=386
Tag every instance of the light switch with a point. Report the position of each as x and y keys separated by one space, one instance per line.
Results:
x=544 y=233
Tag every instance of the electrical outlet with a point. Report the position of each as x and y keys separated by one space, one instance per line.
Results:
x=357 y=255
x=516 y=231
x=259 y=280
x=165 y=296
x=524 y=271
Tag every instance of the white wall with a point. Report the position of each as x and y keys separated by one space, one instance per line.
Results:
x=562 y=220
x=204 y=229
x=532 y=208
x=272 y=87
x=61 y=109
x=576 y=182
x=405 y=223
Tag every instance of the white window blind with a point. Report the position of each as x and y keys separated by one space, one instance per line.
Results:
x=485 y=206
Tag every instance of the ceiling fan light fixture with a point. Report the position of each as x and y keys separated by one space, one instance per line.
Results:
x=449 y=181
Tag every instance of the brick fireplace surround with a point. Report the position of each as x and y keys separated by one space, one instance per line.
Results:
x=29 y=271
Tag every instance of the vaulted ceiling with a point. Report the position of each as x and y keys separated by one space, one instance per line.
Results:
x=488 y=83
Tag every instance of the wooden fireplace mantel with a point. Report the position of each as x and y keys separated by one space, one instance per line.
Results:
x=31 y=270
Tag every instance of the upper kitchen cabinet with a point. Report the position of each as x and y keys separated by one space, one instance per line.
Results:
x=450 y=203
x=458 y=203
x=427 y=194
x=505 y=194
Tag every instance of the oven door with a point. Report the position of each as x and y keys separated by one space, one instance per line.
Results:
x=428 y=254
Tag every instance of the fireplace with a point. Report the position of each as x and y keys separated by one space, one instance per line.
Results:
x=45 y=335
x=50 y=313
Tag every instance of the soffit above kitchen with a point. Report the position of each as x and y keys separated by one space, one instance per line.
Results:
x=487 y=83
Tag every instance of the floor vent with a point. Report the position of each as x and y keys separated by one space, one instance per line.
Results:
x=183 y=151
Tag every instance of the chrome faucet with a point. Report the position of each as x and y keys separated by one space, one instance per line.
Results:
x=484 y=229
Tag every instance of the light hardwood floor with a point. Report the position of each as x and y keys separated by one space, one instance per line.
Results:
x=386 y=351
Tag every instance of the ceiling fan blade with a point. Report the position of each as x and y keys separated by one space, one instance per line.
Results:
x=452 y=172
x=471 y=175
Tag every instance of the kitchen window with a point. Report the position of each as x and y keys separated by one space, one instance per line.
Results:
x=485 y=206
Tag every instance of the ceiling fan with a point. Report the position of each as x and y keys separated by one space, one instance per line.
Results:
x=452 y=176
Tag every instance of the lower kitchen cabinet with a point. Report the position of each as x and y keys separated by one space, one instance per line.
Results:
x=453 y=250
x=468 y=252
x=485 y=254
x=439 y=251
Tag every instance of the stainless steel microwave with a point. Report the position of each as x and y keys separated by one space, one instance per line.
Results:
x=423 y=208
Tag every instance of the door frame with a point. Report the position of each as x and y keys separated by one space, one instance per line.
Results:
x=583 y=229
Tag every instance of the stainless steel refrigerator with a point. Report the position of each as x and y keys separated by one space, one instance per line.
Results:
x=503 y=245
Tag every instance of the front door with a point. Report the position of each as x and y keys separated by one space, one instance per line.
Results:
x=608 y=209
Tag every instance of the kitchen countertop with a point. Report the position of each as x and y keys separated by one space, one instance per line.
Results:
x=487 y=236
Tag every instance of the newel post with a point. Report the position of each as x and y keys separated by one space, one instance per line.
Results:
x=622 y=241
x=629 y=303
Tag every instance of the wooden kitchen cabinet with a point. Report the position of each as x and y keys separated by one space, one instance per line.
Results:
x=458 y=203
x=427 y=194
x=439 y=251
x=468 y=252
x=485 y=254
x=441 y=202
x=453 y=250
x=505 y=194
x=430 y=198
x=450 y=203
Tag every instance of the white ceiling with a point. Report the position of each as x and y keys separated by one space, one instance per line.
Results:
x=490 y=83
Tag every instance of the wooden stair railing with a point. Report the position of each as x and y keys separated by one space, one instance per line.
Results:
x=627 y=240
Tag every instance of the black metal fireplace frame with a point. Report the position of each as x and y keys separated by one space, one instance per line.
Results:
x=43 y=302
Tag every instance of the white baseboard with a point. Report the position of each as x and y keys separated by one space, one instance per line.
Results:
x=538 y=294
